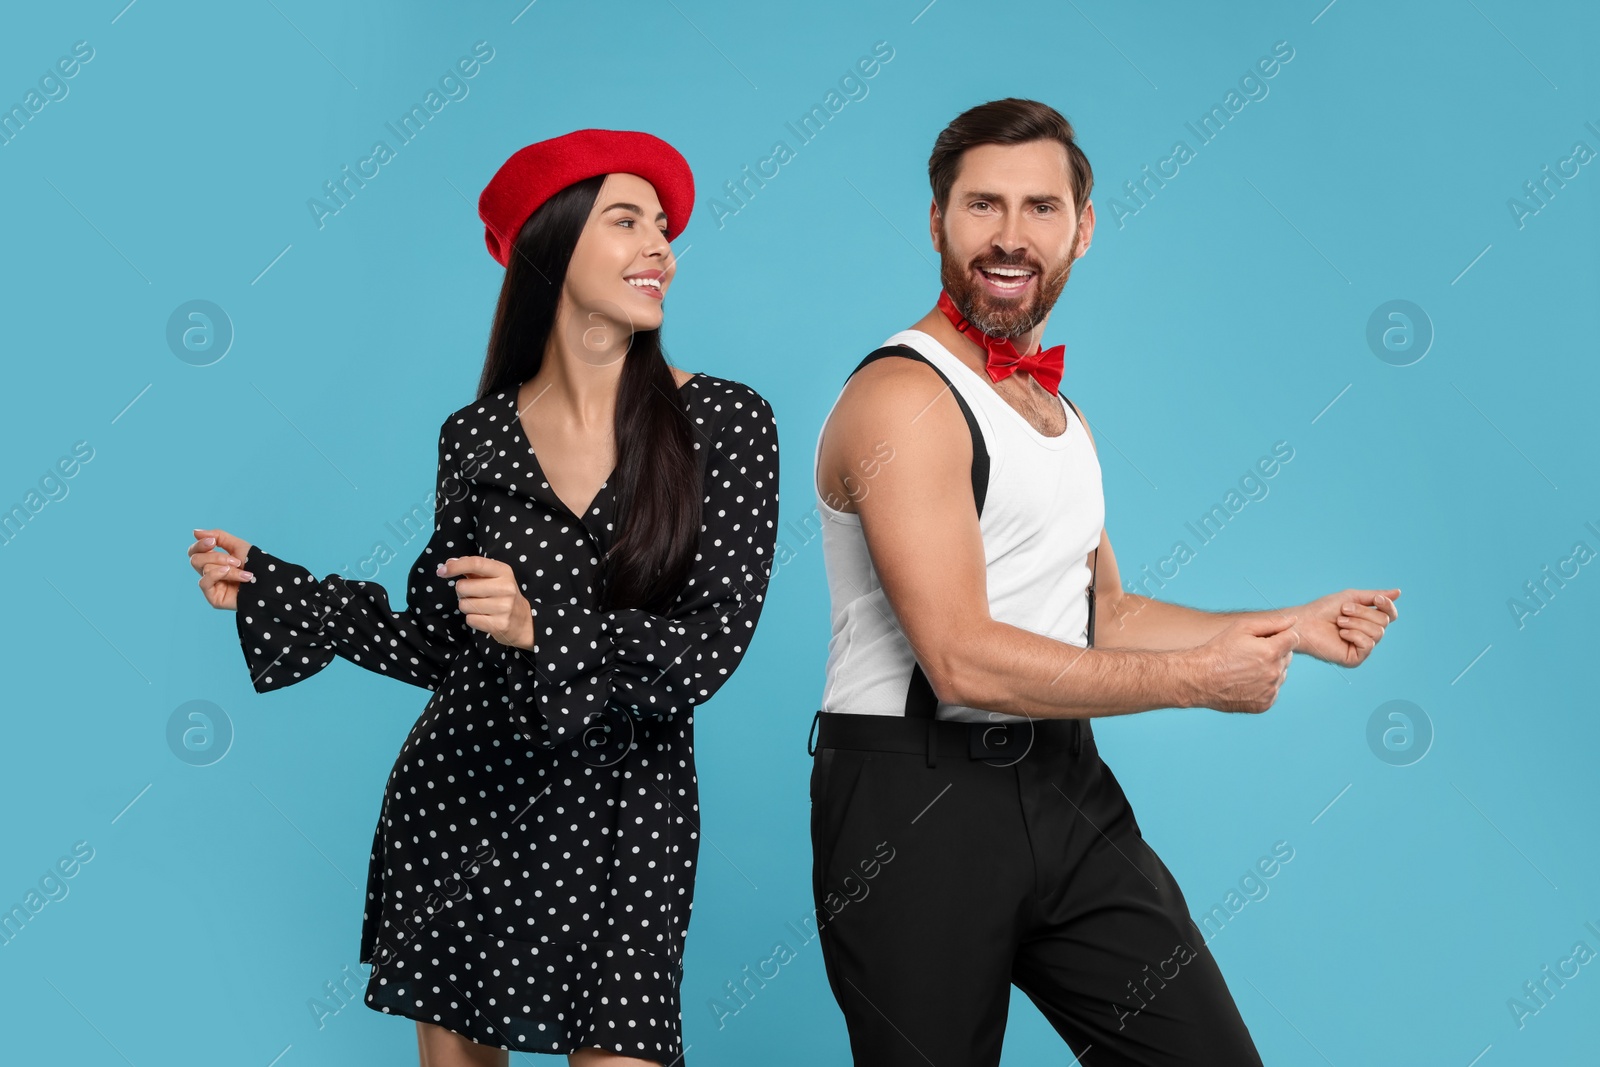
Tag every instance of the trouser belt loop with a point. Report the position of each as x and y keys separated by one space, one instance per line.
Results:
x=933 y=742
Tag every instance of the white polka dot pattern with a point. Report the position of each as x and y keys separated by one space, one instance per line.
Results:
x=590 y=667
x=532 y=871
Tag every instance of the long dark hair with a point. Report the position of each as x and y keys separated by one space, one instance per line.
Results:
x=657 y=481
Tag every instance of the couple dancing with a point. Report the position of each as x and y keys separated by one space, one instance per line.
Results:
x=601 y=545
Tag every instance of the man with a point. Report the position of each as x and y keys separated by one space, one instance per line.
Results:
x=966 y=834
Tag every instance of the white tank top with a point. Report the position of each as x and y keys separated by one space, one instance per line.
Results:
x=1042 y=516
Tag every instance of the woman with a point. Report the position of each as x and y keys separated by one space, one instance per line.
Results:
x=532 y=871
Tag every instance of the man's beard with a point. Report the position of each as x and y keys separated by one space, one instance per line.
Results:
x=997 y=316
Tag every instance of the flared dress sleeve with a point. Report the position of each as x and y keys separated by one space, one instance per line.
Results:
x=292 y=624
x=591 y=668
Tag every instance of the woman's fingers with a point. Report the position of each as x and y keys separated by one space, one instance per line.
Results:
x=489 y=597
x=234 y=546
x=221 y=571
x=216 y=593
x=202 y=544
x=219 y=583
x=479 y=577
x=202 y=555
x=496 y=585
x=205 y=558
x=473 y=567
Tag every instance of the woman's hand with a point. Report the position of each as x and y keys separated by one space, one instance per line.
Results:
x=488 y=594
x=220 y=572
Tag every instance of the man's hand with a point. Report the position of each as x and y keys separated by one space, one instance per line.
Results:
x=1244 y=665
x=488 y=594
x=1343 y=628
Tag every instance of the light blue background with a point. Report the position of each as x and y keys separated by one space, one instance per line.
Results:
x=1229 y=313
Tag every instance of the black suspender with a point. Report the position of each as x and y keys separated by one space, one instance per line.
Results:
x=980 y=453
x=921 y=702
x=1094 y=567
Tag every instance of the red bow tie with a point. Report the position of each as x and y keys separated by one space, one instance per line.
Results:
x=1001 y=357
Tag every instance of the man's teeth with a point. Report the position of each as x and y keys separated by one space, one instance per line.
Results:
x=639 y=283
x=1018 y=277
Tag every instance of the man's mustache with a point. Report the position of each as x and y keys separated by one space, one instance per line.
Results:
x=1010 y=263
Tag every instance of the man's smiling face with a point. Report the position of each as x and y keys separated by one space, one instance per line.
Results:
x=1009 y=235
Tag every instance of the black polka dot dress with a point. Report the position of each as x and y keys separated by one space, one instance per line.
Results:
x=532 y=871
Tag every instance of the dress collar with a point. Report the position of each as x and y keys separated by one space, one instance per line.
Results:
x=504 y=458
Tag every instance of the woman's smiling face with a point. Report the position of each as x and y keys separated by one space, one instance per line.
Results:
x=623 y=263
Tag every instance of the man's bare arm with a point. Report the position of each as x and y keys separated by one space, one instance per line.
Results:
x=921 y=529
x=1129 y=620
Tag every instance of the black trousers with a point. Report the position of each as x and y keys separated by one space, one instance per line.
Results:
x=952 y=861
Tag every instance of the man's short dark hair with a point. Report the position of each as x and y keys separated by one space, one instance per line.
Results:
x=1008 y=121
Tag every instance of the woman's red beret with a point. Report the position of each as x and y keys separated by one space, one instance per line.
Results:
x=538 y=171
